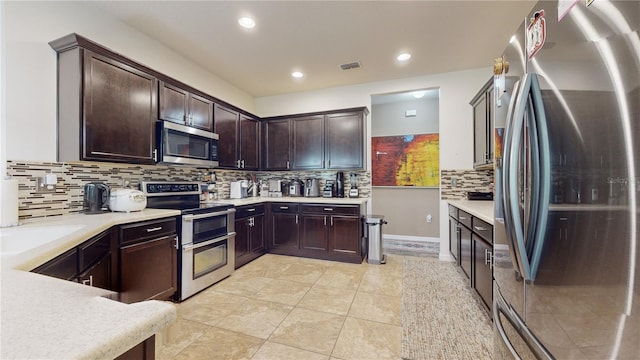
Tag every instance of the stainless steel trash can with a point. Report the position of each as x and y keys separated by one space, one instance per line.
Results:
x=374 y=233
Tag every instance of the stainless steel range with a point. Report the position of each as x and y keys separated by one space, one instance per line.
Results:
x=207 y=234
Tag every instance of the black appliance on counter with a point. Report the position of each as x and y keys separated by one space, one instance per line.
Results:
x=340 y=184
x=96 y=198
x=206 y=231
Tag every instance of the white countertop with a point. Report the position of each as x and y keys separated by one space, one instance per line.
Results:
x=295 y=199
x=48 y=318
x=482 y=209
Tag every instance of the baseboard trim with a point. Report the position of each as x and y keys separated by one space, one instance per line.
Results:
x=410 y=238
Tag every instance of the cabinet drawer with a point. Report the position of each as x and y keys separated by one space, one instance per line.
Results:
x=64 y=266
x=330 y=209
x=249 y=210
x=90 y=252
x=284 y=208
x=453 y=211
x=483 y=229
x=465 y=218
x=146 y=230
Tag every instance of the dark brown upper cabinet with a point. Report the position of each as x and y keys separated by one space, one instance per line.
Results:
x=238 y=146
x=106 y=108
x=307 y=143
x=333 y=140
x=182 y=107
x=344 y=140
x=275 y=144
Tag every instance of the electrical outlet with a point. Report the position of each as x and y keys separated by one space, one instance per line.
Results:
x=429 y=218
x=454 y=182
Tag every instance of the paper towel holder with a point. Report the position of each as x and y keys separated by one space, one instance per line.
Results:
x=47 y=183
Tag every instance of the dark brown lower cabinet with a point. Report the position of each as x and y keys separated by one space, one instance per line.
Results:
x=146 y=350
x=483 y=270
x=249 y=225
x=91 y=263
x=465 y=250
x=148 y=270
x=322 y=231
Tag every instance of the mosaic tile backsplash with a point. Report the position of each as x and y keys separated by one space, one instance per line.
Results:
x=72 y=177
x=465 y=181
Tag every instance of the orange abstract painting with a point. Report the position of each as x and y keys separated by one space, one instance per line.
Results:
x=406 y=160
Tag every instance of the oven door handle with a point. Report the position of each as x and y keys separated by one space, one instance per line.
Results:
x=191 y=247
x=207 y=215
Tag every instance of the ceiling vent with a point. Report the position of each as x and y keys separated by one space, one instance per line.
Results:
x=351 y=65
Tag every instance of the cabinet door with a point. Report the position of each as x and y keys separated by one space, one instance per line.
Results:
x=173 y=103
x=276 y=143
x=284 y=231
x=465 y=250
x=256 y=240
x=242 y=239
x=315 y=232
x=249 y=143
x=200 y=113
x=148 y=270
x=345 y=234
x=226 y=125
x=99 y=275
x=483 y=271
x=480 y=155
x=454 y=239
x=308 y=143
x=344 y=141
x=120 y=112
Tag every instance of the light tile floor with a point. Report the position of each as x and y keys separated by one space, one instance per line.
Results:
x=282 y=307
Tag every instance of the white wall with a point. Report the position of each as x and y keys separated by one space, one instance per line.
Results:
x=389 y=119
x=30 y=80
x=456 y=130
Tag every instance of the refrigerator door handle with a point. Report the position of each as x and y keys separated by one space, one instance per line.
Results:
x=541 y=175
x=511 y=199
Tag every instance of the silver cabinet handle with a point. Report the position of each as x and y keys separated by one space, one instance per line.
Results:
x=155 y=154
x=284 y=207
x=287 y=164
x=238 y=164
x=88 y=281
x=325 y=221
x=176 y=244
x=332 y=221
x=463 y=218
x=251 y=210
x=154 y=229
x=296 y=218
x=480 y=228
x=242 y=164
x=328 y=209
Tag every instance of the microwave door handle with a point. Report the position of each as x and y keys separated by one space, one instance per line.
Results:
x=207 y=215
x=191 y=247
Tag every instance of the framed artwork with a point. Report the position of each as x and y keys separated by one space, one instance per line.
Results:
x=406 y=160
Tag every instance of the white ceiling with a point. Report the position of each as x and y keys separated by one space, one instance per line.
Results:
x=315 y=37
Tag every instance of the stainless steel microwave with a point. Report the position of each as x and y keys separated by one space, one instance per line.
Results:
x=179 y=144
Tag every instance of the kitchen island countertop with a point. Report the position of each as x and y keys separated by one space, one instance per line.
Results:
x=48 y=318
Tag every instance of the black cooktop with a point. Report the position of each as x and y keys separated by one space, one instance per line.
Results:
x=179 y=195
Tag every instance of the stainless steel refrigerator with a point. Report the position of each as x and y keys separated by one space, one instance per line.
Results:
x=566 y=246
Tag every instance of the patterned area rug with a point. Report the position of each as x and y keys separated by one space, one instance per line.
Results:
x=441 y=319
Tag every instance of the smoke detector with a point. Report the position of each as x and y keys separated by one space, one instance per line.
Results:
x=350 y=66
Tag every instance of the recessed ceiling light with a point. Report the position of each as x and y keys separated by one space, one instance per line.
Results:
x=247 y=22
x=297 y=74
x=419 y=94
x=404 y=57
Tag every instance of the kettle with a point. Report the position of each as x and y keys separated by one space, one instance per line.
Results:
x=96 y=198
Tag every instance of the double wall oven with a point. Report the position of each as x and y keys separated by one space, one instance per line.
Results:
x=207 y=234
